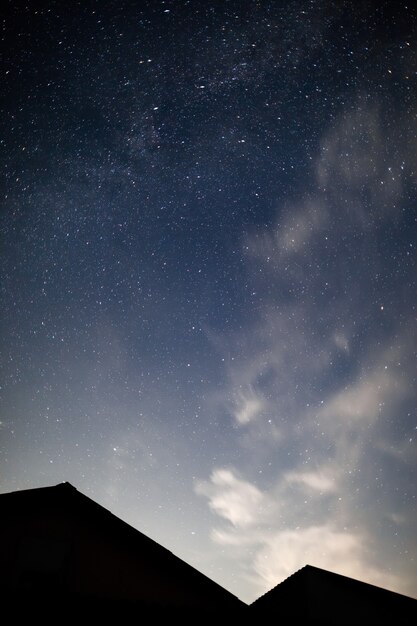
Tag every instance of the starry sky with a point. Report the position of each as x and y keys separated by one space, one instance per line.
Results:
x=208 y=276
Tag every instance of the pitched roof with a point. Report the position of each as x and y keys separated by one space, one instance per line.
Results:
x=102 y=543
x=111 y=565
x=312 y=594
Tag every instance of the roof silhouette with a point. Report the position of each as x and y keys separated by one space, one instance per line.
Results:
x=62 y=553
x=317 y=596
x=59 y=544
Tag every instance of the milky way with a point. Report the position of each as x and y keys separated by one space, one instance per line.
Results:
x=208 y=276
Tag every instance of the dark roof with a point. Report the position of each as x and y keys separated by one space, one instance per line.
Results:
x=315 y=595
x=66 y=496
x=48 y=506
x=311 y=595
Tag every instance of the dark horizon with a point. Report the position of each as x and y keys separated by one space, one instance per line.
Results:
x=60 y=548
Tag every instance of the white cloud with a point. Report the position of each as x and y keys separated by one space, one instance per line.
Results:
x=229 y=537
x=248 y=406
x=302 y=344
x=233 y=499
x=358 y=405
x=323 y=546
x=359 y=178
x=320 y=481
x=291 y=235
x=300 y=227
x=352 y=419
x=275 y=548
x=359 y=402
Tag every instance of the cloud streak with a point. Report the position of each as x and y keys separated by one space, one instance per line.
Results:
x=235 y=500
x=323 y=378
x=248 y=406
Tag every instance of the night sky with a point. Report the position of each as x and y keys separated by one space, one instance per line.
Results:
x=208 y=276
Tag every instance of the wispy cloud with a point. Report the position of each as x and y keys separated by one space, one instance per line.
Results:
x=321 y=481
x=258 y=523
x=248 y=405
x=360 y=403
x=359 y=161
x=295 y=231
x=324 y=546
x=235 y=500
x=315 y=368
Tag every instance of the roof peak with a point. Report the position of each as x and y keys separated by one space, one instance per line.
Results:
x=66 y=485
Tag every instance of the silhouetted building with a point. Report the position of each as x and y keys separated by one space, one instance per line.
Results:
x=61 y=551
x=315 y=596
x=63 y=555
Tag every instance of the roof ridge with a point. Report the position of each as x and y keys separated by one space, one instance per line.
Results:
x=280 y=583
x=17 y=492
